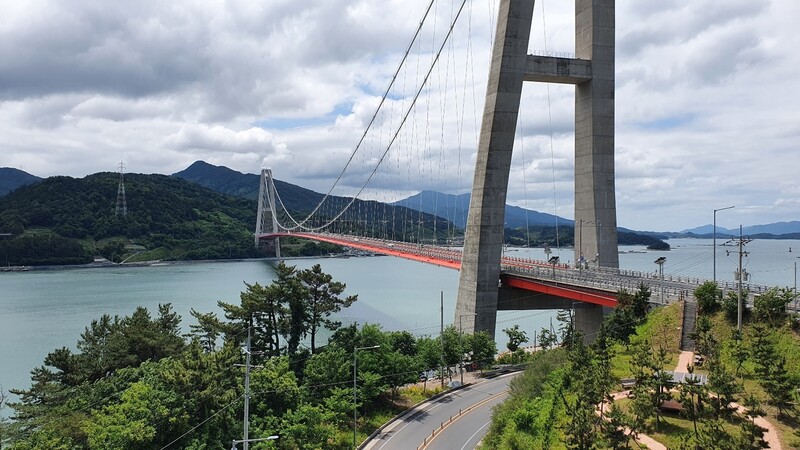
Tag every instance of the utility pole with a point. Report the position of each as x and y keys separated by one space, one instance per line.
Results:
x=441 y=332
x=740 y=276
x=246 y=427
x=715 y=239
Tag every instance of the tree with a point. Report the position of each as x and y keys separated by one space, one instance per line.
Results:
x=612 y=428
x=739 y=351
x=636 y=303
x=752 y=435
x=290 y=291
x=730 y=306
x=3 y=420
x=135 y=422
x=705 y=340
x=663 y=381
x=771 y=370
x=403 y=342
x=399 y=369
x=566 y=327
x=481 y=348
x=619 y=325
x=693 y=398
x=307 y=427
x=452 y=347
x=642 y=407
x=584 y=384
x=709 y=297
x=515 y=338
x=322 y=300
x=723 y=384
x=547 y=339
x=713 y=435
x=770 y=307
x=207 y=329
x=327 y=369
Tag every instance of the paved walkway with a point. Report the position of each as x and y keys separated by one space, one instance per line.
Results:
x=684 y=360
x=642 y=439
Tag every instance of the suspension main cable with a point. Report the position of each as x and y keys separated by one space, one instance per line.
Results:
x=375 y=114
x=413 y=102
x=396 y=133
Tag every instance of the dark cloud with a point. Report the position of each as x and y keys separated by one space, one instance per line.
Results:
x=132 y=50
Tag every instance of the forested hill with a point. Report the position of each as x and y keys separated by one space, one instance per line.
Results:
x=170 y=217
x=64 y=220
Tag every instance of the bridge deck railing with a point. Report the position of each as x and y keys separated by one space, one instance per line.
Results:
x=674 y=287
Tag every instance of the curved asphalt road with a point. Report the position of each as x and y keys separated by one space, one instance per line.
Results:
x=410 y=430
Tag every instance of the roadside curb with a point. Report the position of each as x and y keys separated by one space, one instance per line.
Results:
x=485 y=376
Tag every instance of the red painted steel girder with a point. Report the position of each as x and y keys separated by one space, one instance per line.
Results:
x=451 y=259
x=559 y=290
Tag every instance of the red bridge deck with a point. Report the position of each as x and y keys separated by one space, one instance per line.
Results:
x=451 y=258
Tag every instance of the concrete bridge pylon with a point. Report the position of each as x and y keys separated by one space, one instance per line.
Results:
x=266 y=218
x=592 y=72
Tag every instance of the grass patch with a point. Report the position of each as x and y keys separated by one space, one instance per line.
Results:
x=662 y=327
x=671 y=426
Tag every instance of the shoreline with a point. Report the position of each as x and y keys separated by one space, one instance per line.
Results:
x=157 y=263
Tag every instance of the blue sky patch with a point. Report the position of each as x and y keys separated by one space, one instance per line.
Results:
x=667 y=123
x=285 y=123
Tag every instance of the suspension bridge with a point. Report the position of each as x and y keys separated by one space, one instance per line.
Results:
x=400 y=137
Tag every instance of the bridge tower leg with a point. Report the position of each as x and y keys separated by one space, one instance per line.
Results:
x=476 y=305
x=595 y=199
x=592 y=72
x=267 y=219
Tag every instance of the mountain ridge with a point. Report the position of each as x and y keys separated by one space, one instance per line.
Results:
x=11 y=179
x=454 y=207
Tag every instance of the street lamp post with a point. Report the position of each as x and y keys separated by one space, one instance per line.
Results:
x=715 y=239
x=355 y=390
x=660 y=261
x=554 y=260
x=460 y=342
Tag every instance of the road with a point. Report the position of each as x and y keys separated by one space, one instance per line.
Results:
x=464 y=432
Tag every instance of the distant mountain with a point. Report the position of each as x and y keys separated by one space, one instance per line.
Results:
x=382 y=219
x=455 y=208
x=11 y=179
x=776 y=229
x=245 y=185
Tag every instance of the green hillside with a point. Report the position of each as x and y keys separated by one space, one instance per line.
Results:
x=64 y=220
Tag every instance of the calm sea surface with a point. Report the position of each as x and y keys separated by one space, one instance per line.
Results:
x=44 y=310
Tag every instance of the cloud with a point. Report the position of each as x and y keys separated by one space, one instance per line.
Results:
x=704 y=113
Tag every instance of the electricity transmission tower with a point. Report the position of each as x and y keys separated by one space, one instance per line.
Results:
x=122 y=207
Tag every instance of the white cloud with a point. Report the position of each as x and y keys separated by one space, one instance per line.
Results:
x=705 y=115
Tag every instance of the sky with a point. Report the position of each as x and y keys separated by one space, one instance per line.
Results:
x=706 y=99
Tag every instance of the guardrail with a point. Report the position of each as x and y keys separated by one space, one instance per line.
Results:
x=674 y=287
